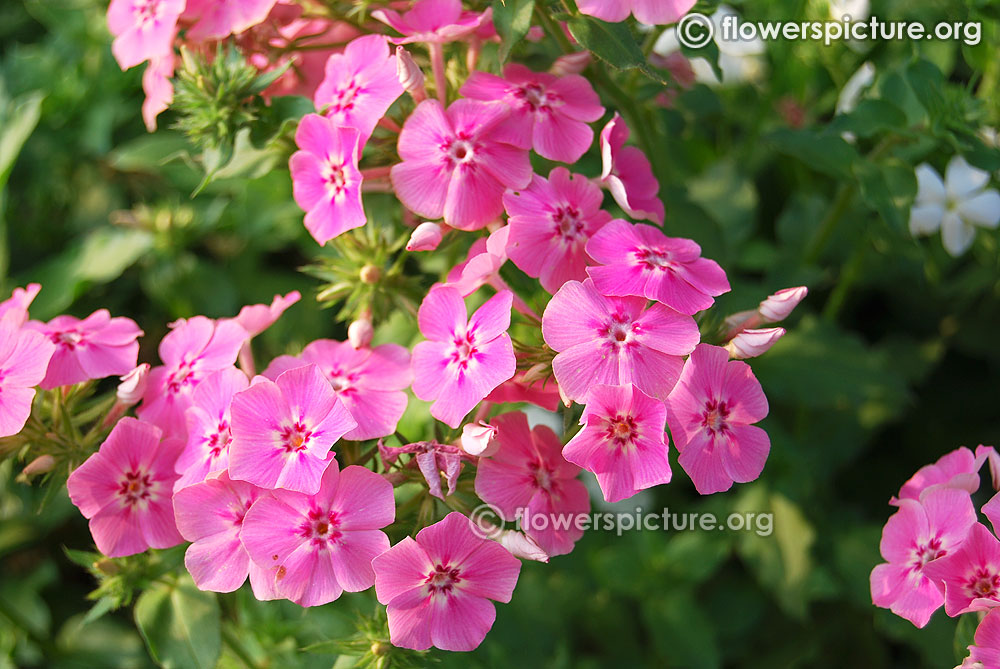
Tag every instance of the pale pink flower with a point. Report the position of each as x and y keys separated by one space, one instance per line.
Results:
x=652 y=12
x=550 y=223
x=359 y=86
x=209 y=426
x=437 y=587
x=456 y=163
x=614 y=341
x=623 y=441
x=425 y=237
x=143 y=29
x=780 y=305
x=522 y=546
x=158 y=88
x=752 y=343
x=970 y=574
x=987 y=648
x=16 y=306
x=255 y=318
x=958 y=469
x=125 y=490
x=432 y=459
x=24 y=358
x=194 y=348
x=322 y=544
x=464 y=358
x=544 y=394
x=283 y=430
x=641 y=260
x=326 y=181
x=369 y=381
x=710 y=412
x=217 y=19
x=479 y=439
x=548 y=113
x=920 y=532
x=628 y=175
x=92 y=348
x=409 y=74
x=436 y=21
x=529 y=477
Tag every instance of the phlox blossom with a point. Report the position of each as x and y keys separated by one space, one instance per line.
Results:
x=627 y=174
x=435 y=21
x=217 y=19
x=652 y=12
x=987 y=647
x=143 y=29
x=158 y=87
x=16 y=306
x=24 y=358
x=255 y=318
x=970 y=574
x=958 y=469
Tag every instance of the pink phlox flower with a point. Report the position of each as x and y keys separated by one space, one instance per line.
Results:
x=255 y=318
x=143 y=29
x=548 y=113
x=710 y=412
x=550 y=223
x=614 y=341
x=987 y=647
x=528 y=477
x=439 y=21
x=432 y=459
x=641 y=260
x=628 y=175
x=544 y=394
x=126 y=488
x=326 y=181
x=359 y=86
x=158 y=87
x=209 y=426
x=322 y=544
x=482 y=267
x=919 y=532
x=970 y=574
x=650 y=12
x=622 y=442
x=958 y=469
x=456 y=163
x=283 y=430
x=24 y=359
x=464 y=358
x=16 y=306
x=479 y=439
x=369 y=381
x=93 y=348
x=217 y=19
x=437 y=587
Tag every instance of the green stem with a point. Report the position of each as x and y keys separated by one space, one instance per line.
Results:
x=841 y=202
x=234 y=644
x=848 y=277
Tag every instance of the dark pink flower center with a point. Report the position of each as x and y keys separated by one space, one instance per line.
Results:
x=442 y=579
x=542 y=476
x=983 y=582
x=295 y=438
x=715 y=416
x=620 y=331
x=464 y=350
x=146 y=11
x=924 y=553
x=321 y=528
x=68 y=340
x=334 y=177
x=459 y=151
x=218 y=441
x=342 y=382
x=180 y=377
x=655 y=258
x=344 y=97
x=621 y=430
x=240 y=511
x=135 y=487
x=568 y=224
x=536 y=98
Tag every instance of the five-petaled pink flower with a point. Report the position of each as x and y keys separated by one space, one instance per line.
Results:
x=651 y=12
x=360 y=85
x=16 y=306
x=326 y=181
x=369 y=381
x=255 y=318
x=627 y=174
x=623 y=441
x=550 y=223
x=641 y=260
x=615 y=341
x=465 y=358
x=970 y=574
x=528 y=477
x=434 y=21
x=958 y=469
x=143 y=29
x=710 y=412
x=283 y=430
x=125 y=489
x=92 y=348
x=548 y=113
x=456 y=163
x=987 y=647
x=24 y=358
x=920 y=532
x=437 y=587
x=322 y=544
x=217 y=19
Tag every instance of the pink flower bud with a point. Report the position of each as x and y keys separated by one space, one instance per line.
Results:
x=480 y=439
x=751 y=343
x=426 y=237
x=360 y=333
x=40 y=465
x=571 y=63
x=133 y=385
x=522 y=546
x=411 y=77
x=780 y=305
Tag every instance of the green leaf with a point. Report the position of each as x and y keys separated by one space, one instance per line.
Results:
x=278 y=116
x=827 y=153
x=612 y=43
x=965 y=633
x=262 y=81
x=512 y=19
x=180 y=624
x=870 y=118
x=876 y=194
x=16 y=125
x=927 y=83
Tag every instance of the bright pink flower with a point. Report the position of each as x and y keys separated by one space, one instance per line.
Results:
x=92 y=348
x=210 y=514
x=125 y=489
x=326 y=180
x=437 y=586
x=641 y=260
x=623 y=441
x=549 y=113
x=158 y=88
x=627 y=174
x=359 y=86
x=958 y=469
x=753 y=343
x=283 y=430
x=255 y=318
x=614 y=341
x=921 y=531
x=710 y=412
x=425 y=237
x=543 y=394
x=464 y=358
x=970 y=574
x=482 y=264
x=322 y=544
x=208 y=426
x=432 y=459
x=479 y=439
x=987 y=648
x=456 y=163
x=194 y=348
x=652 y=12
x=16 y=306
x=528 y=477
x=550 y=223
x=24 y=358
x=217 y=19
x=369 y=381
x=437 y=21
x=143 y=29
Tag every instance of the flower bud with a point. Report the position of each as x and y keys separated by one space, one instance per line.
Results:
x=522 y=546
x=411 y=77
x=480 y=439
x=426 y=237
x=40 y=465
x=751 y=343
x=780 y=305
x=571 y=63
x=370 y=274
x=133 y=385
x=360 y=333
